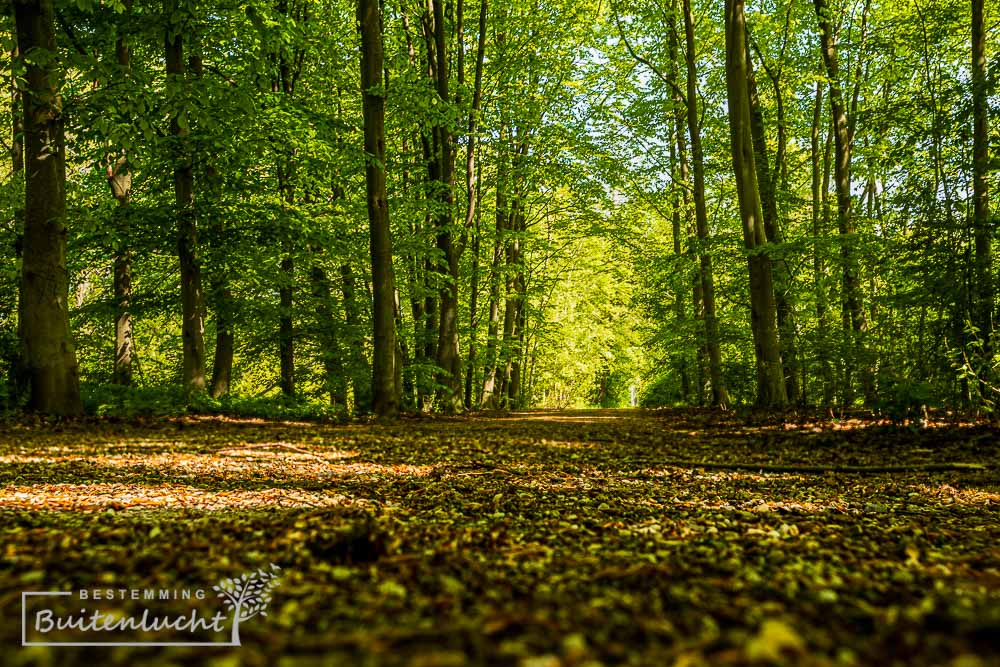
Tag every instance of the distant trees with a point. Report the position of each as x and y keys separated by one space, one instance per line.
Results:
x=582 y=158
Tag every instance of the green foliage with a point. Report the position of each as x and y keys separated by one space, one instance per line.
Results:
x=127 y=403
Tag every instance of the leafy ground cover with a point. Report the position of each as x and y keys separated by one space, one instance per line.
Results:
x=538 y=539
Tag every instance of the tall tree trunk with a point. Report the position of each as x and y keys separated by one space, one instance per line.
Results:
x=853 y=308
x=49 y=355
x=120 y=180
x=286 y=326
x=491 y=371
x=519 y=283
x=818 y=199
x=720 y=397
x=385 y=401
x=982 y=227
x=221 y=296
x=678 y=193
x=769 y=204
x=449 y=361
x=770 y=380
x=192 y=298
x=472 y=185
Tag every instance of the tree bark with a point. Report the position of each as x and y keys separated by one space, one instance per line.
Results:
x=770 y=380
x=384 y=398
x=853 y=308
x=472 y=188
x=982 y=227
x=769 y=204
x=192 y=297
x=491 y=371
x=720 y=397
x=49 y=354
x=120 y=180
x=449 y=360
x=818 y=200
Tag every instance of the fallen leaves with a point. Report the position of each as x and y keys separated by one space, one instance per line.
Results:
x=539 y=538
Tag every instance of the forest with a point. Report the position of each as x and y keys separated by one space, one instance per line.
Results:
x=537 y=332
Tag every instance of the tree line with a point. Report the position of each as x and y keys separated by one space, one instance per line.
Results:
x=552 y=194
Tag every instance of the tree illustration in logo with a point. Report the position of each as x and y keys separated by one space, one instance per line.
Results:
x=247 y=596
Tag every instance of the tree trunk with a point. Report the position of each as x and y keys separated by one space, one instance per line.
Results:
x=720 y=397
x=770 y=379
x=120 y=180
x=192 y=298
x=449 y=361
x=772 y=231
x=472 y=187
x=982 y=228
x=286 y=327
x=678 y=194
x=491 y=371
x=853 y=309
x=818 y=199
x=49 y=354
x=384 y=399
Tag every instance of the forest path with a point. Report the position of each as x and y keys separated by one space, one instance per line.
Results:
x=532 y=538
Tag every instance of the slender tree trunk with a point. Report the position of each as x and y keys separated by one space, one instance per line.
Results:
x=472 y=186
x=470 y=364
x=770 y=380
x=384 y=399
x=982 y=227
x=491 y=372
x=192 y=297
x=449 y=361
x=678 y=177
x=120 y=180
x=221 y=296
x=49 y=354
x=514 y=395
x=286 y=327
x=769 y=204
x=853 y=308
x=818 y=199
x=720 y=397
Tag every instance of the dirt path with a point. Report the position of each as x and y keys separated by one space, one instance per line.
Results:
x=541 y=538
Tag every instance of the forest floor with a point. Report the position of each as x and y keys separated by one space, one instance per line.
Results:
x=538 y=539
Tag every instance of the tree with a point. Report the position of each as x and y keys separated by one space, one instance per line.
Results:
x=120 y=180
x=854 y=313
x=720 y=397
x=763 y=313
x=385 y=401
x=192 y=297
x=49 y=354
x=982 y=226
